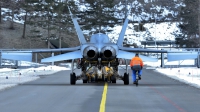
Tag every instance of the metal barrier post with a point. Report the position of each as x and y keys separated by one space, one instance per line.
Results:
x=52 y=63
x=0 y=59
x=162 y=60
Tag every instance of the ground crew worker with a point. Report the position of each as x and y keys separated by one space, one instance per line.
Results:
x=136 y=64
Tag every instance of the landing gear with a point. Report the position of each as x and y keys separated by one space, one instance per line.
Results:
x=113 y=79
x=126 y=79
x=72 y=78
x=84 y=80
x=102 y=78
x=96 y=78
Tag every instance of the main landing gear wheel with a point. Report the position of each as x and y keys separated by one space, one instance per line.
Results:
x=72 y=78
x=126 y=79
x=103 y=79
x=96 y=78
x=85 y=80
x=113 y=79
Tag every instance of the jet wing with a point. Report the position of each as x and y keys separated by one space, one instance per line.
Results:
x=130 y=55
x=41 y=50
x=171 y=55
x=151 y=50
x=181 y=56
x=66 y=56
x=22 y=56
x=26 y=54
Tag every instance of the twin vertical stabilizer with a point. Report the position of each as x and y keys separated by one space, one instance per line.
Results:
x=122 y=33
x=78 y=29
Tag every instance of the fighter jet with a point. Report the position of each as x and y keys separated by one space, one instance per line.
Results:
x=100 y=52
x=97 y=53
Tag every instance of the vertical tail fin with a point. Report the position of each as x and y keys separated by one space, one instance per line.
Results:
x=122 y=33
x=77 y=27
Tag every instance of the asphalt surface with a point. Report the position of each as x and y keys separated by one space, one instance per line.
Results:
x=53 y=93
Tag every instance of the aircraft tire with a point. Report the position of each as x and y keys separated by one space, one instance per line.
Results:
x=72 y=78
x=96 y=78
x=126 y=79
x=84 y=81
x=92 y=79
x=106 y=79
x=113 y=79
x=102 y=79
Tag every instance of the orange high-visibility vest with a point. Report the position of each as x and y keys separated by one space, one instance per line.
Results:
x=136 y=61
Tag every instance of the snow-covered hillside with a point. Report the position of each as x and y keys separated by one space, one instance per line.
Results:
x=161 y=31
x=153 y=31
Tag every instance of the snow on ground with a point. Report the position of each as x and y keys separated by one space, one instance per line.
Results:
x=189 y=75
x=12 y=77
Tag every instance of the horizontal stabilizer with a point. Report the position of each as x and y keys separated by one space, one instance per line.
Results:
x=181 y=56
x=17 y=56
x=70 y=49
x=129 y=55
x=66 y=56
x=142 y=50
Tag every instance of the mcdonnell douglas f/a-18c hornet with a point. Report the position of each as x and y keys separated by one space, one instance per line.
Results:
x=99 y=53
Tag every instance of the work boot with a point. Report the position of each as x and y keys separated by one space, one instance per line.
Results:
x=139 y=78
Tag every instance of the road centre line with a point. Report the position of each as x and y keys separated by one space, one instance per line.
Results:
x=103 y=100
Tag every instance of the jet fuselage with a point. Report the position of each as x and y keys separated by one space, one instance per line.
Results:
x=99 y=47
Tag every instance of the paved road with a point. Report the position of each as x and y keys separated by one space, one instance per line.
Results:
x=155 y=93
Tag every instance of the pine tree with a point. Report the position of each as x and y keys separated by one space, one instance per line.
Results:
x=99 y=15
x=189 y=26
x=62 y=21
x=14 y=7
x=52 y=15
